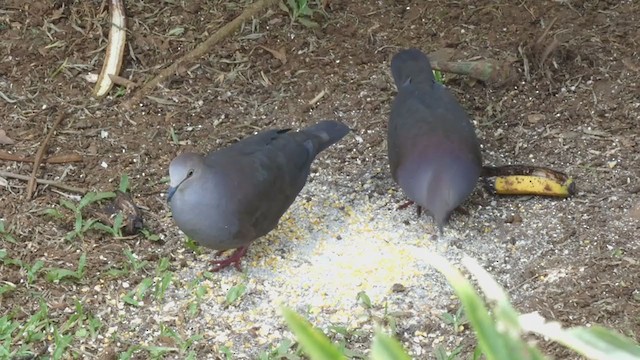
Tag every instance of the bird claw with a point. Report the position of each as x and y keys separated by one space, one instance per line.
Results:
x=409 y=203
x=405 y=205
x=233 y=259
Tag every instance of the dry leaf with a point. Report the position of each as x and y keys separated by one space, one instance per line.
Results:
x=4 y=139
x=534 y=118
x=278 y=54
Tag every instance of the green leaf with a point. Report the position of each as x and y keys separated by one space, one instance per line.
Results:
x=117 y=224
x=284 y=8
x=313 y=341
x=494 y=345
x=7 y=288
x=57 y=274
x=92 y=197
x=33 y=272
x=124 y=183
x=104 y=228
x=81 y=333
x=68 y=204
x=308 y=23
x=306 y=11
x=53 y=213
x=593 y=342
x=61 y=344
x=364 y=299
x=177 y=31
x=192 y=245
x=60 y=274
x=128 y=298
x=163 y=285
x=385 y=347
x=235 y=293
x=149 y=235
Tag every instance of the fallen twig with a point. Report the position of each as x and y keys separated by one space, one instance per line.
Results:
x=44 y=182
x=31 y=186
x=200 y=50
x=487 y=70
x=55 y=159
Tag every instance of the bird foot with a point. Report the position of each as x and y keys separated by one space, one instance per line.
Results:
x=233 y=259
x=409 y=203
x=405 y=205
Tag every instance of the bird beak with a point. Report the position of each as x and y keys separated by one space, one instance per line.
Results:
x=170 y=192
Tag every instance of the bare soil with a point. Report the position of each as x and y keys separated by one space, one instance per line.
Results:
x=574 y=107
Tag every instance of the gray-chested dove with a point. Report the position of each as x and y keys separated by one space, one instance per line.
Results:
x=434 y=153
x=232 y=196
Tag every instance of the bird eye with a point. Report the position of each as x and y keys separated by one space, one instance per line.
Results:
x=189 y=173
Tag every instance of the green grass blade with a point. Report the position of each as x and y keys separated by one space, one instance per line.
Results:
x=385 y=347
x=493 y=344
x=593 y=342
x=313 y=341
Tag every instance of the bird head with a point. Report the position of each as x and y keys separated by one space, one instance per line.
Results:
x=182 y=172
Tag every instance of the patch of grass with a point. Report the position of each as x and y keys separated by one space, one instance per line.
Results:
x=300 y=11
x=236 y=292
x=31 y=270
x=192 y=245
x=164 y=277
x=437 y=74
x=501 y=333
x=286 y=350
x=136 y=296
x=114 y=230
x=182 y=345
x=201 y=290
x=149 y=235
x=363 y=299
x=133 y=263
x=59 y=274
x=174 y=136
x=457 y=320
x=441 y=353
x=85 y=324
x=5 y=235
x=23 y=338
x=123 y=186
x=82 y=225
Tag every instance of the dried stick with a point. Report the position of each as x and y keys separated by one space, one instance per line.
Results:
x=487 y=70
x=31 y=186
x=44 y=182
x=55 y=159
x=200 y=50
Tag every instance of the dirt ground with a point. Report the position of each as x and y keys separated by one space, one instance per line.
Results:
x=573 y=105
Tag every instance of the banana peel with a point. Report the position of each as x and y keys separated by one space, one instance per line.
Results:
x=528 y=180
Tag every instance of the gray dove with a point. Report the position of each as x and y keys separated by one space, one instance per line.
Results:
x=434 y=154
x=232 y=196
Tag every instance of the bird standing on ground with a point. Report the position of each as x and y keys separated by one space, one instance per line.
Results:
x=232 y=196
x=434 y=153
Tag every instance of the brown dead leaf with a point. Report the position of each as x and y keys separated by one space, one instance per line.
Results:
x=57 y=14
x=4 y=139
x=534 y=118
x=278 y=54
x=629 y=63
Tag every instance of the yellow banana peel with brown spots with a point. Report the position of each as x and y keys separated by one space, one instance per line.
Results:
x=528 y=180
